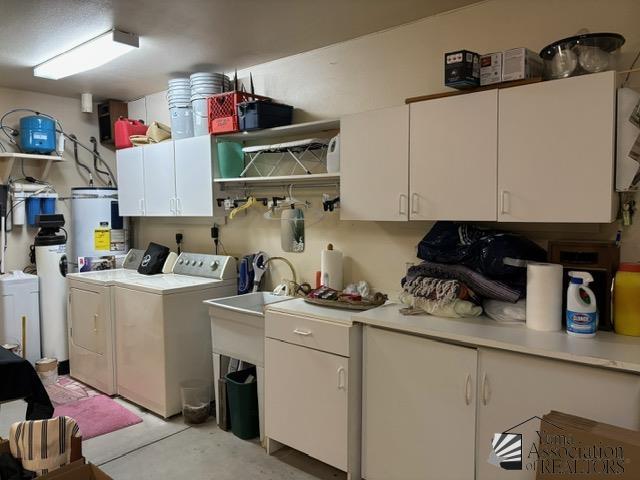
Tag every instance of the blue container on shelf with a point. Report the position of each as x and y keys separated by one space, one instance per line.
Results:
x=37 y=134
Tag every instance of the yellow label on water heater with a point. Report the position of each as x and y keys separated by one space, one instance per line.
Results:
x=102 y=239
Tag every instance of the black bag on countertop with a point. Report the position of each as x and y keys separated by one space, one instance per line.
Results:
x=153 y=259
x=495 y=254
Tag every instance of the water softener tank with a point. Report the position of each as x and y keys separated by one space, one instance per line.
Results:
x=37 y=134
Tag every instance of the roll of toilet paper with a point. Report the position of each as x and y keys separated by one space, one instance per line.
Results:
x=544 y=296
x=331 y=268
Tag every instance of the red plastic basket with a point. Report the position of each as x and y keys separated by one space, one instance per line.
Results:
x=223 y=110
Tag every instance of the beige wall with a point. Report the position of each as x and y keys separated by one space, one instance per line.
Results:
x=63 y=175
x=381 y=70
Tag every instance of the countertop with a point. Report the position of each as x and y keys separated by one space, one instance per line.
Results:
x=606 y=349
x=298 y=306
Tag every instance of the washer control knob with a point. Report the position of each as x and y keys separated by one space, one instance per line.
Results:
x=201 y=263
x=214 y=265
x=181 y=261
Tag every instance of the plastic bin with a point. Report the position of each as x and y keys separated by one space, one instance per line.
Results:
x=196 y=401
x=230 y=159
x=257 y=114
x=243 y=403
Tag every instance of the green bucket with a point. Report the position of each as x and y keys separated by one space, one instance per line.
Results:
x=230 y=159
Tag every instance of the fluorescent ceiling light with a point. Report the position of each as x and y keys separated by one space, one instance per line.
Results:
x=88 y=55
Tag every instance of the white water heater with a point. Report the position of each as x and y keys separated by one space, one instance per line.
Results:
x=97 y=229
x=51 y=262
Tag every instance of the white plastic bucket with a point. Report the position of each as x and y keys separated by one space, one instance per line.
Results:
x=200 y=117
x=181 y=122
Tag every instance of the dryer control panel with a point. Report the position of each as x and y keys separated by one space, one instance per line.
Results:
x=219 y=267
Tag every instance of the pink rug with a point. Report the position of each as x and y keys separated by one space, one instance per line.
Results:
x=95 y=413
x=98 y=415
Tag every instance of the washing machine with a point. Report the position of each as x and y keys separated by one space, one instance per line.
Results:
x=163 y=331
x=90 y=320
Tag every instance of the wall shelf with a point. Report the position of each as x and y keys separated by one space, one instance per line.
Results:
x=286 y=131
x=43 y=162
x=313 y=179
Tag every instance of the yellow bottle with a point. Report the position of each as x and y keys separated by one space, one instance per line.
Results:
x=626 y=300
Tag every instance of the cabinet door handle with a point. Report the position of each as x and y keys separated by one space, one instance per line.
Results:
x=178 y=206
x=486 y=389
x=467 y=390
x=402 y=208
x=172 y=205
x=342 y=383
x=95 y=323
x=505 y=198
x=415 y=199
x=142 y=206
x=70 y=316
x=304 y=333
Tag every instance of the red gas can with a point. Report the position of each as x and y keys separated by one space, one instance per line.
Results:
x=124 y=127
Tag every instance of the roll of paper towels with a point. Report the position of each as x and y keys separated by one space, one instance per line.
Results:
x=331 y=268
x=544 y=296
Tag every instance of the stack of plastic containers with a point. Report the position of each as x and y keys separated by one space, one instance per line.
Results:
x=203 y=85
x=179 y=96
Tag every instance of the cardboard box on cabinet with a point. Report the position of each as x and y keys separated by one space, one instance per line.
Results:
x=575 y=447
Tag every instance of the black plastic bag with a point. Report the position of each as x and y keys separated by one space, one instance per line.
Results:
x=495 y=254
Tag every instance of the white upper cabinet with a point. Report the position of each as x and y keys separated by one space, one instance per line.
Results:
x=556 y=151
x=453 y=158
x=130 y=169
x=159 y=180
x=172 y=178
x=374 y=164
x=194 y=176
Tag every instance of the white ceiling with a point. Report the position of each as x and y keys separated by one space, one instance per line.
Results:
x=183 y=36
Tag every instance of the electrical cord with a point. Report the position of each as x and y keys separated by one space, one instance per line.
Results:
x=633 y=64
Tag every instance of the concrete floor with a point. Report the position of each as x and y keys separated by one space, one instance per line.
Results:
x=159 y=449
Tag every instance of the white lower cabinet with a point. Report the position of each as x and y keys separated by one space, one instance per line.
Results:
x=313 y=395
x=513 y=389
x=419 y=410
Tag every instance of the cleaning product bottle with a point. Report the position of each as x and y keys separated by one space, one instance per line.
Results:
x=582 y=311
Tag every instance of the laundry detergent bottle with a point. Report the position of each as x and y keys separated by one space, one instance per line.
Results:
x=582 y=311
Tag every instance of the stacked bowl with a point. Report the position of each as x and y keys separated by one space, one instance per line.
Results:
x=179 y=96
x=203 y=85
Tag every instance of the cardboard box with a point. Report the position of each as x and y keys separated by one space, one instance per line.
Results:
x=76 y=470
x=521 y=63
x=491 y=68
x=575 y=447
x=461 y=69
x=80 y=472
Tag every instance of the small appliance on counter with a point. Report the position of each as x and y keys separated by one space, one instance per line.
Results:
x=582 y=53
x=626 y=300
x=600 y=259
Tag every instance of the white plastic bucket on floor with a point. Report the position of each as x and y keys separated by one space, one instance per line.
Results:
x=181 y=122
x=200 y=116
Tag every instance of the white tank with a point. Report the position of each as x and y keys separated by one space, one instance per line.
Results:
x=51 y=261
x=18 y=300
x=97 y=229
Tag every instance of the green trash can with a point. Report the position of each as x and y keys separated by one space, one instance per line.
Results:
x=243 y=403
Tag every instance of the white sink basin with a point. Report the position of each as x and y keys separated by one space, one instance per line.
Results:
x=250 y=303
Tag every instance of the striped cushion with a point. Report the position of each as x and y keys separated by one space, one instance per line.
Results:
x=43 y=445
